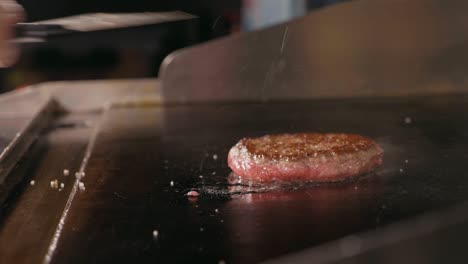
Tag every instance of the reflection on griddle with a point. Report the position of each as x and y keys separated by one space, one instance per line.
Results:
x=300 y=214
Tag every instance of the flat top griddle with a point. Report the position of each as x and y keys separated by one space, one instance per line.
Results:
x=139 y=150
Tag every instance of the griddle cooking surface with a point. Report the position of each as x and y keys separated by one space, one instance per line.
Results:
x=140 y=150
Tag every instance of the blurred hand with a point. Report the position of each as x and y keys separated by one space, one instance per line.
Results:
x=10 y=14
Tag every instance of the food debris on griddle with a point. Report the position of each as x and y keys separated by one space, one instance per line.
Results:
x=193 y=194
x=81 y=186
x=54 y=184
x=155 y=234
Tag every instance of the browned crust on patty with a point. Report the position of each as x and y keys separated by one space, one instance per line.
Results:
x=292 y=147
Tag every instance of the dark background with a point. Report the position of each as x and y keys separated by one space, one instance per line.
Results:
x=53 y=62
x=208 y=11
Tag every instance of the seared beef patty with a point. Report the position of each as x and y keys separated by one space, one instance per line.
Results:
x=303 y=157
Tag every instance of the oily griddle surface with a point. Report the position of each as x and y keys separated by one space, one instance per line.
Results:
x=140 y=150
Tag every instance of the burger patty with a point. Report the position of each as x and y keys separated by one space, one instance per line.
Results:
x=303 y=157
